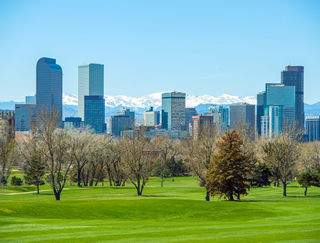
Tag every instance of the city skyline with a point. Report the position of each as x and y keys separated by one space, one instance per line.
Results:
x=149 y=47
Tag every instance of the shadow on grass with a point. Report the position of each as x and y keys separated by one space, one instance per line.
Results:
x=302 y=196
x=158 y=196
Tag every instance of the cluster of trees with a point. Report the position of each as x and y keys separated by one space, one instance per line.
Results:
x=226 y=164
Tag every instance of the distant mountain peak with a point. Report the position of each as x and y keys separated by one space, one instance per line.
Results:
x=155 y=100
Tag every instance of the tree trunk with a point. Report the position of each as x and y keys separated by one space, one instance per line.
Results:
x=284 y=189
x=161 y=180
x=278 y=183
x=207 y=195
x=79 y=177
x=305 y=192
x=109 y=176
x=231 y=197
x=91 y=182
x=138 y=188
x=238 y=196
x=57 y=194
x=38 y=188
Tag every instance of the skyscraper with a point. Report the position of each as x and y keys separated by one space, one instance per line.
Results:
x=173 y=111
x=127 y=112
x=313 y=128
x=190 y=112
x=294 y=76
x=119 y=123
x=271 y=122
x=275 y=108
x=201 y=122
x=281 y=95
x=94 y=113
x=23 y=116
x=151 y=117
x=49 y=85
x=260 y=110
x=90 y=82
x=243 y=112
x=30 y=100
x=220 y=115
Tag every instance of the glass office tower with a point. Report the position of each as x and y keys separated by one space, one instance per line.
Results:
x=30 y=100
x=271 y=122
x=313 y=128
x=23 y=115
x=119 y=123
x=173 y=111
x=49 y=85
x=281 y=95
x=260 y=110
x=294 y=76
x=190 y=112
x=220 y=115
x=90 y=82
x=94 y=113
x=127 y=112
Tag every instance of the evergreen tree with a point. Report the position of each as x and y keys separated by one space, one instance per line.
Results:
x=229 y=168
x=260 y=176
x=36 y=171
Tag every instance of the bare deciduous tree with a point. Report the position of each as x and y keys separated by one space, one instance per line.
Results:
x=167 y=149
x=282 y=153
x=80 y=144
x=137 y=158
x=54 y=145
x=8 y=152
x=198 y=152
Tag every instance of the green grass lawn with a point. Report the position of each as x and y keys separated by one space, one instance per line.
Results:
x=176 y=212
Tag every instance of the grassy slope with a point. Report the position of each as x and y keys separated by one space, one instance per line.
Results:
x=176 y=212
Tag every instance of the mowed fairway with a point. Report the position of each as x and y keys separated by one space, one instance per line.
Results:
x=176 y=212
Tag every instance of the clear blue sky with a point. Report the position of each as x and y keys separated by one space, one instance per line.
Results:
x=198 y=47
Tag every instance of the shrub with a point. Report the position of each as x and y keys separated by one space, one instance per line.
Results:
x=16 y=181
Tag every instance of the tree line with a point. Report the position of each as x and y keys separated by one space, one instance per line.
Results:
x=226 y=163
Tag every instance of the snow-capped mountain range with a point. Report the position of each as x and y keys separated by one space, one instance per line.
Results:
x=155 y=100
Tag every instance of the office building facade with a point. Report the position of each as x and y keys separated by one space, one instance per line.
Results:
x=30 y=100
x=242 y=113
x=73 y=122
x=271 y=122
x=173 y=111
x=94 y=113
x=294 y=76
x=127 y=112
x=24 y=114
x=49 y=85
x=151 y=117
x=201 y=122
x=260 y=111
x=220 y=115
x=313 y=128
x=190 y=112
x=119 y=123
x=281 y=95
x=90 y=82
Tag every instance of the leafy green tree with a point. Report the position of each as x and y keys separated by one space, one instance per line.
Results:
x=307 y=179
x=16 y=181
x=36 y=171
x=229 y=168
